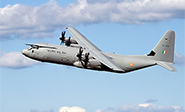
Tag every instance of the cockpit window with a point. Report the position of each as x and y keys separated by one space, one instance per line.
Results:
x=30 y=48
x=33 y=47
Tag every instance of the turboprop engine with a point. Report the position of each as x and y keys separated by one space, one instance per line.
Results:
x=86 y=61
x=67 y=41
x=92 y=63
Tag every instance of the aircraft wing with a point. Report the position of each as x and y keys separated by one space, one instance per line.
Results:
x=93 y=50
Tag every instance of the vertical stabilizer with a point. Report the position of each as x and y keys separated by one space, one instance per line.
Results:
x=164 y=50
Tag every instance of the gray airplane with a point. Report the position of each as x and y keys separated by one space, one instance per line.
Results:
x=80 y=52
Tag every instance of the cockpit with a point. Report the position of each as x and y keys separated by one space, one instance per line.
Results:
x=29 y=51
x=33 y=47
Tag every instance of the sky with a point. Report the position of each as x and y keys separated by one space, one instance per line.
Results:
x=127 y=27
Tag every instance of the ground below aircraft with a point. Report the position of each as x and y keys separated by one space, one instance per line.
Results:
x=80 y=52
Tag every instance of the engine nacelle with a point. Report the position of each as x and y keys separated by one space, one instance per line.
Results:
x=78 y=64
x=75 y=45
x=72 y=40
x=94 y=63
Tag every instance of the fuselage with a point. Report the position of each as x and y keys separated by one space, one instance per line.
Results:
x=68 y=56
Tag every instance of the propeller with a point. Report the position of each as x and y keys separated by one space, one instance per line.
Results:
x=62 y=38
x=86 y=59
x=68 y=42
x=79 y=55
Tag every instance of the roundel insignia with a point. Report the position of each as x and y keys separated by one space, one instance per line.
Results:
x=131 y=64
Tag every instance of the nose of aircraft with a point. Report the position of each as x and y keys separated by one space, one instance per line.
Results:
x=24 y=51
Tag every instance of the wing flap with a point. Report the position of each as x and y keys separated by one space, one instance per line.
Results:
x=93 y=50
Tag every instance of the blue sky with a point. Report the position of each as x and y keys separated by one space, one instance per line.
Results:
x=124 y=27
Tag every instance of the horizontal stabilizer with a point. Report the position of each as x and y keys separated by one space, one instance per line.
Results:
x=167 y=65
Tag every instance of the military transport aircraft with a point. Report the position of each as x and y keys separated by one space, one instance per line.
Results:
x=80 y=52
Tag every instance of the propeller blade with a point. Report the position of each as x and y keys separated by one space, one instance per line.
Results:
x=63 y=33
x=86 y=59
x=62 y=38
x=79 y=55
x=68 y=42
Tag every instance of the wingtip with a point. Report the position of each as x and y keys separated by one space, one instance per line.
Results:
x=69 y=28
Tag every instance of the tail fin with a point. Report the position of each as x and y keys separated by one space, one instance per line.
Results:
x=163 y=52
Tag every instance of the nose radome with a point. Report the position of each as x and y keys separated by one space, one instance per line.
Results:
x=24 y=51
